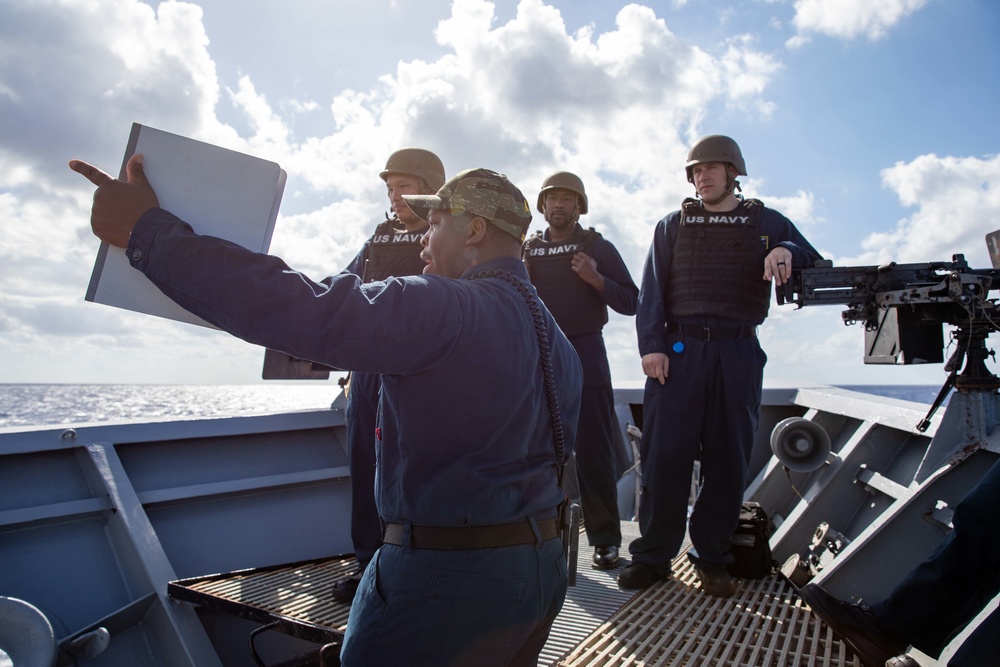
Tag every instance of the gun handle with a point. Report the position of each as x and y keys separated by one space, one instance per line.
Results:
x=785 y=293
x=571 y=539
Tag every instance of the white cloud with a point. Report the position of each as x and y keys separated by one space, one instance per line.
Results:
x=796 y=42
x=748 y=72
x=957 y=201
x=81 y=72
x=850 y=18
x=271 y=134
x=799 y=207
x=527 y=97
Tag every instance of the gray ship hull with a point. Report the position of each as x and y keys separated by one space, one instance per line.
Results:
x=97 y=520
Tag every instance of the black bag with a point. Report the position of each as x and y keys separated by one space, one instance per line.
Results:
x=750 y=546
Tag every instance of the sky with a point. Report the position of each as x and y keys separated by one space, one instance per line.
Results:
x=872 y=125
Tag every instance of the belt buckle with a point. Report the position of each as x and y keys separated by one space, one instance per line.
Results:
x=708 y=333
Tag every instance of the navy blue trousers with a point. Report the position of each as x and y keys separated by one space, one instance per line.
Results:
x=596 y=464
x=463 y=607
x=362 y=412
x=707 y=410
x=938 y=598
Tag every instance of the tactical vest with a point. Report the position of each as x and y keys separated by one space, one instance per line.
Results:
x=575 y=305
x=718 y=263
x=393 y=251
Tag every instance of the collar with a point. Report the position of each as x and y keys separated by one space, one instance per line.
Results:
x=576 y=230
x=512 y=264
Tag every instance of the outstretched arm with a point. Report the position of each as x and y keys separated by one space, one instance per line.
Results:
x=118 y=205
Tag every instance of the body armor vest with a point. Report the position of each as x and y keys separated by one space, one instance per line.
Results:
x=717 y=264
x=575 y=305
x=393 y=251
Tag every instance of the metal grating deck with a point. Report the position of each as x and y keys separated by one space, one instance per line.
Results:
x=673 y=623
x=589 y=603
x=296 y=596
x=766 y=624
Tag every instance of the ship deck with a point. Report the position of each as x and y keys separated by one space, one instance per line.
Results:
x=671 y=623
x=96 y=520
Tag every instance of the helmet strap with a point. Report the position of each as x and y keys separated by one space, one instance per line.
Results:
x=574 y=215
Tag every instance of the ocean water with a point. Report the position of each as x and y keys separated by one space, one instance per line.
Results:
x=51 y=404
x=57 y=404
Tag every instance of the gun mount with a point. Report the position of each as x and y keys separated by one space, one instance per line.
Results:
x=904 y=307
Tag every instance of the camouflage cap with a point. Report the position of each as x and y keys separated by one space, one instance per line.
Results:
x=480 y=192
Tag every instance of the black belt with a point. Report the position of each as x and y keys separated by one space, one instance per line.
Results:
x=473 y=537
x=711 y=333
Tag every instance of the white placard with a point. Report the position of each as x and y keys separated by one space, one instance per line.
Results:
x=219 y=192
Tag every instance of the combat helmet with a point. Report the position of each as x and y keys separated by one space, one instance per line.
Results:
x=564 y=180
x=715 y=148
x=416 y=162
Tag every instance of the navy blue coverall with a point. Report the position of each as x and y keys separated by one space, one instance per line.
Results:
x=465 y=432
x=596 y=463
x=707 y=410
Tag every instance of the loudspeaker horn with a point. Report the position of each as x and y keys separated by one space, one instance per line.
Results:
x=801 y=445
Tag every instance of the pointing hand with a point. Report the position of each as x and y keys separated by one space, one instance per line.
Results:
x=118 y=205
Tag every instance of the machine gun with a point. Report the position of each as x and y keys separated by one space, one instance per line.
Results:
x=903 y=308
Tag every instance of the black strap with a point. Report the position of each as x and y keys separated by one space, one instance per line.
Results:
x=711 y=333
x=471 y=537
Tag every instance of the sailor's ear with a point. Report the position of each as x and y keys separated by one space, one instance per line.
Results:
x=477 y=230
